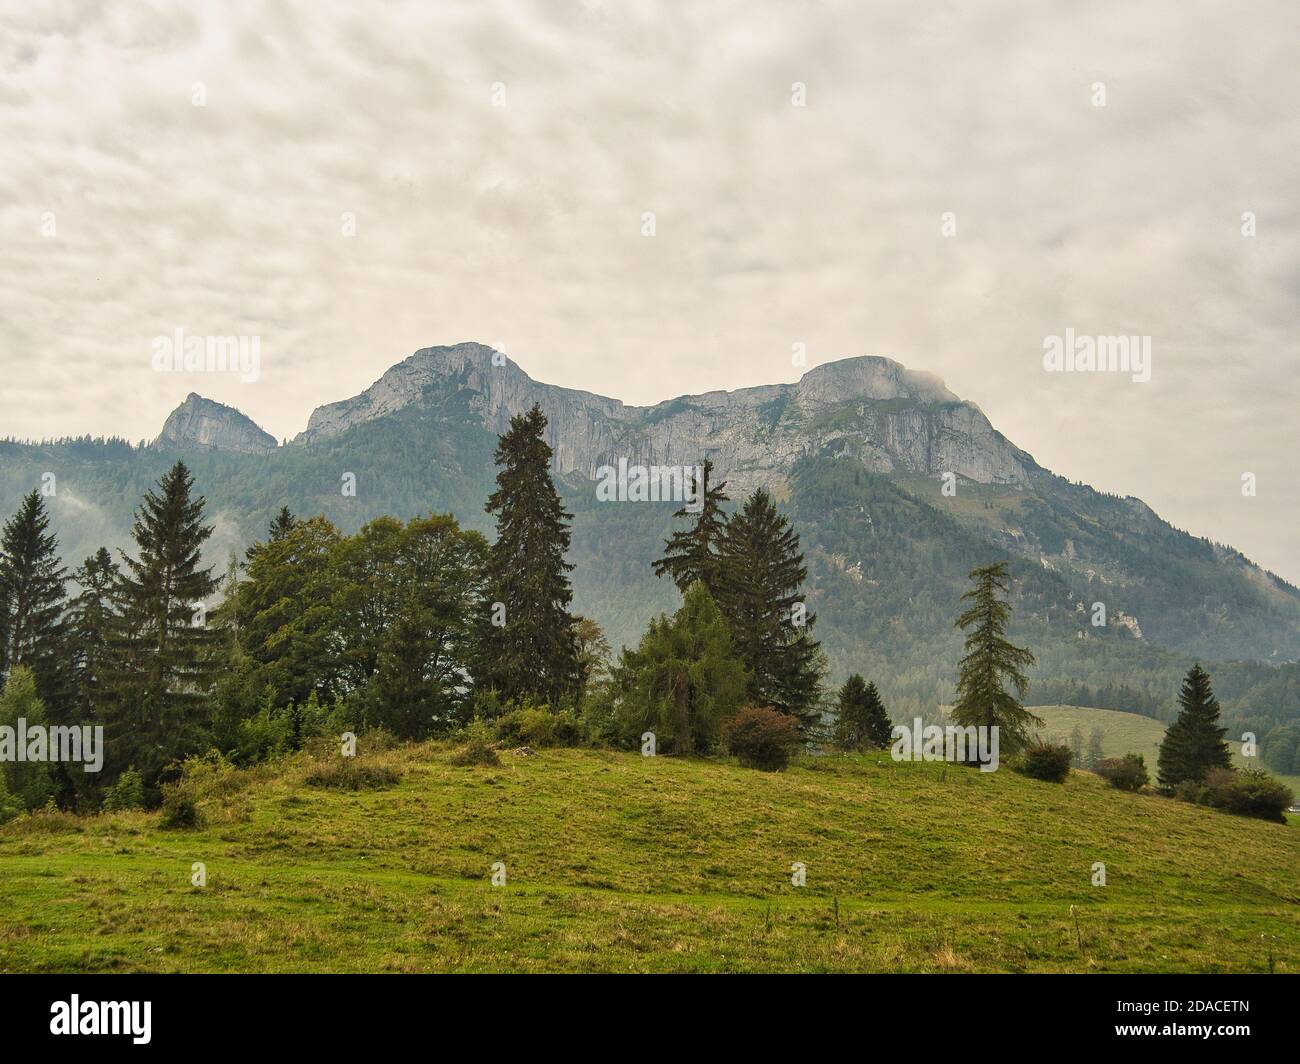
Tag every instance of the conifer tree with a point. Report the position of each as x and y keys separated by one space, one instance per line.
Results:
x=160 y=666
x=991 y=662
x=683 y=678
x=528 y=647
x=862 y=720
x=90 y=620
x=762 y=572
x=694 y=553
x=32 y=600
x=1194 y=743
x=282 y=524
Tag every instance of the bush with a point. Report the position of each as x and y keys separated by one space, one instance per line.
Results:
x=1249 y=792
x=1127 y=773
x=126 y=793
x=179 y=810
x=351 y=774
x=10 y=806
x=478 y=748
x=762 y=738
x=1046 y=761
x=539 y=726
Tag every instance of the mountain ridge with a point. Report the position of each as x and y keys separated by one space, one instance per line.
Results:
x=754 y=435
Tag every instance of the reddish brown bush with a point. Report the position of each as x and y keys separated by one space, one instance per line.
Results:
x=762 y=738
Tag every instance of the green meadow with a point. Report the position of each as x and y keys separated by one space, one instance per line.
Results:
x=617 y=862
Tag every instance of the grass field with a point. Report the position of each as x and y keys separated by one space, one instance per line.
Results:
x=615 y=862
x=1124 y=733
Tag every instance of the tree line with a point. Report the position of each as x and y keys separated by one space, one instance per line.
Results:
x=416 y=627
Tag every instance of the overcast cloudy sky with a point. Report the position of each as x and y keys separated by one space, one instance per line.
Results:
x=498 y=159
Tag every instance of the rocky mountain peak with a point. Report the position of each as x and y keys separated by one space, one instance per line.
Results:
x=200 y=424
x=875 y=409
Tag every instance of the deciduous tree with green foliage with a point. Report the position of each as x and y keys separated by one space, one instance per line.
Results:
x=1194 y=742
x=533 y=651
x=30 y=782
x=991 y=663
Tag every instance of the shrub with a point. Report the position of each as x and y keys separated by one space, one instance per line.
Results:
x=1249 y=792
x=1193 y=791
x=10 y=806
x=762 y=738
x=179 y=810
x=478 y=749
x=351 y=774
x=1127 y=773
x=1045 y=761
x=126 y=793
x=539 y=726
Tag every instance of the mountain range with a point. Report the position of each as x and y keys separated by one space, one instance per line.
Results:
x=896 y=485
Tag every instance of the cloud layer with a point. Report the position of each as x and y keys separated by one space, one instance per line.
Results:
x=498 y=158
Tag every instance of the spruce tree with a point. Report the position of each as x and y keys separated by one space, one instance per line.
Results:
x=694 y=553
x=90 y=620
x=31 y=600
x=1194 y=743
x=529 y=646
x=862 y=720
x=283 y=523
x=991 y=662
x=160 y=665
x=762 y=572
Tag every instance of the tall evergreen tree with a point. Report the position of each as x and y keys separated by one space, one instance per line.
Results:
x=991 y=662
x=31 y=600
x=694 y=553
x=533 y=651
x=160 y=666
x=862 y=720
x=282 y=524
x=762 y=572
x=1194 y=743
x=90 y=620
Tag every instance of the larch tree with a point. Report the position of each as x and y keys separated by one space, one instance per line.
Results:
x=992 y=664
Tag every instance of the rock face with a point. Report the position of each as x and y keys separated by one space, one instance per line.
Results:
x=891 y=418
x=200 y=424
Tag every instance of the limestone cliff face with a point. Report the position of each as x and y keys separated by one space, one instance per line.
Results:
x=200 y=424
x=891 y=418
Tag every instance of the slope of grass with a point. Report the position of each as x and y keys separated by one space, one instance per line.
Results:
x=1124 y=733
x=615 y=862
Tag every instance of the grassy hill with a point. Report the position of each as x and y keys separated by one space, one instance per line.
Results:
x=1125 y=733
x=623 y=863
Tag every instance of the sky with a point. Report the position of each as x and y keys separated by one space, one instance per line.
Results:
x=945 y=184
